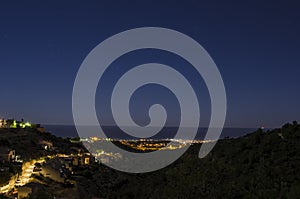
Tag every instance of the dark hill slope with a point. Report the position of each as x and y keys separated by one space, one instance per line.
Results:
x=28 y=143
x=258 y=165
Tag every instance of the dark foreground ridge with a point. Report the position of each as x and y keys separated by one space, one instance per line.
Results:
x=258 y=165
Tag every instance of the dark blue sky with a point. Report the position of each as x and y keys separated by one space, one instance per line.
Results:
x=255 y=44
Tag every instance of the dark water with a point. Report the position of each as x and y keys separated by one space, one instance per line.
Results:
x=116 y=133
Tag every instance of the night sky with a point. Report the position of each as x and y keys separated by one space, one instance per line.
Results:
x=255 y=44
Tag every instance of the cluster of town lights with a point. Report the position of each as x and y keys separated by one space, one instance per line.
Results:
x=14 y=124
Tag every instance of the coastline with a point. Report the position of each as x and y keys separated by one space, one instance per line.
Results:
x=69 y=131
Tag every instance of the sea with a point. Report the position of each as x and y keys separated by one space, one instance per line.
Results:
x=69 y=131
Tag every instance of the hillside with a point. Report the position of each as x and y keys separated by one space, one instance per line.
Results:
x=29 y=143
x=258 y=165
